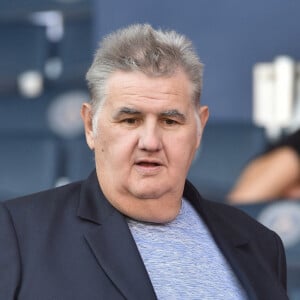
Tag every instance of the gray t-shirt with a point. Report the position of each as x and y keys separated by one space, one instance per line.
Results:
x=183 y=260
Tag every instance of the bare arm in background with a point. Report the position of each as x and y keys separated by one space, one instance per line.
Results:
x=273 y=175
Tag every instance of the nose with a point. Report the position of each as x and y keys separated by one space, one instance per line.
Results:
x=150 y=138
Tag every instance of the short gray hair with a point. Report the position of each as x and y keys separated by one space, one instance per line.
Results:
x=139 y=47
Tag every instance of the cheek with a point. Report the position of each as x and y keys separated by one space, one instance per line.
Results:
x=182 y=147
x=101 y=142
x=113 y=145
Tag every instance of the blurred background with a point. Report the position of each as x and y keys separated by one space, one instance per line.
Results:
x=251 y=84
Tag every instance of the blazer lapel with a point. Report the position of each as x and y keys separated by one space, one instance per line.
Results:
x=248 y=264
x=239 y=250
x=112 y=243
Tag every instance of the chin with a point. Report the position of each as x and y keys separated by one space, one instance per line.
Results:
x=147 y=195
x=151 y=191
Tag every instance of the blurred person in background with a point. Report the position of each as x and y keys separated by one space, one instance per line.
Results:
x=136 y=228
x=273 y=175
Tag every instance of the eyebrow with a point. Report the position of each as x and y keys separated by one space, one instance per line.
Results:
x=173 y=113
x=127 y=111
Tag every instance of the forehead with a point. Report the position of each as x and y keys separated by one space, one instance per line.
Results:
x=140 y=88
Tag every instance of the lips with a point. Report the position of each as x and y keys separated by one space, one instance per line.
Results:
x=148 y=163
x=148 y=167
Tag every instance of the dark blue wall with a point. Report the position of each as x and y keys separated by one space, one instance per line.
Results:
x=229 y=35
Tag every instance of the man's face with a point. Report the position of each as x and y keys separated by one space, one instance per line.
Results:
x=147 y=133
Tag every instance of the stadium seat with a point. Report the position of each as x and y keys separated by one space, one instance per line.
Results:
x=75 y=49
x=28 y=163
x=18 y=114
x=79 y=159
x=56 y=112
x=23 y=50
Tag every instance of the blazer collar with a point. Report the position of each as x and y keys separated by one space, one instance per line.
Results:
x=228 y=238
x=233 y=235
x=112 y=243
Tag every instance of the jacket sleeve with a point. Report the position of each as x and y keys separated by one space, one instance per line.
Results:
x=9 y=257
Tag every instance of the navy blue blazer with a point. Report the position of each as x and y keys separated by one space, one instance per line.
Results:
x=70 y=243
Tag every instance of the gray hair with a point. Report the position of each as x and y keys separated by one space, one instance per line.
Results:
x=141 y=48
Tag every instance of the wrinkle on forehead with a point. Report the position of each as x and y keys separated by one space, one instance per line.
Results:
x=152 y=87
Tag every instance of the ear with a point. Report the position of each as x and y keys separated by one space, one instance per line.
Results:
x=203 y=113
x=86 y=115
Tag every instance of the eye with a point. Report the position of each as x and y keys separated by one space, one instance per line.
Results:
x=170 y=122
x=131 y=121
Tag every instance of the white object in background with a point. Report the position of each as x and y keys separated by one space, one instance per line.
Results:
x=30 y=84
x=295 y=122
x=284 y=71
x=263 y=99
x=273 y=95
x=53 y=67
x=64 y=113
x=263 y=94
x=54 y=22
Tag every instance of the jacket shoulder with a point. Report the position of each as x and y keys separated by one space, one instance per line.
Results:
x=44 y=201
x=236 y=217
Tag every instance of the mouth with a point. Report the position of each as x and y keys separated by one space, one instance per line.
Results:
x=148 y=164
x=148 y=167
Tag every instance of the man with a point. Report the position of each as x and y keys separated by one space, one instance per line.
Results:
x=136 y=229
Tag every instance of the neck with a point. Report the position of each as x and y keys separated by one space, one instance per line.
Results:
x=155 y=210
